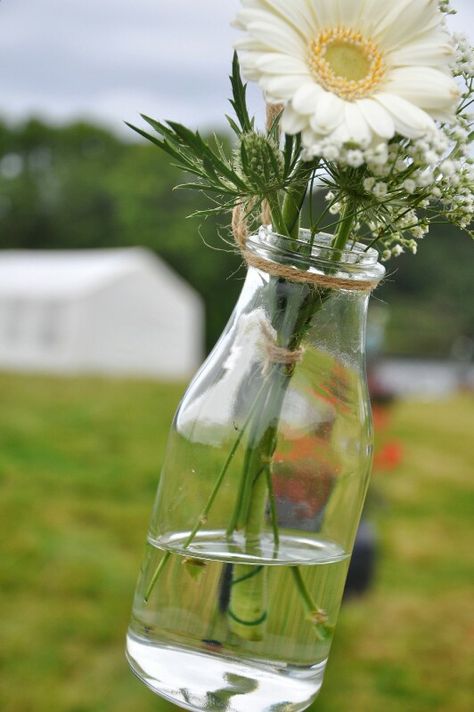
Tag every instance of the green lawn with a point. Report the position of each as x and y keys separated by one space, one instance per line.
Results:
x=79 y=460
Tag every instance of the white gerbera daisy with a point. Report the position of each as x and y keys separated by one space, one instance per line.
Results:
x=350 y=70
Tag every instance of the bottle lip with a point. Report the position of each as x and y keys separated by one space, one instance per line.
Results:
x=317 y=254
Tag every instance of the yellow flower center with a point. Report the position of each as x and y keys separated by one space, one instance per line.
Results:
x=346 y=63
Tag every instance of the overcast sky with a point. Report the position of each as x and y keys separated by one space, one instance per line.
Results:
x=110 y=60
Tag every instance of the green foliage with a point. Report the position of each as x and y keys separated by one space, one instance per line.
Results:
x=239 y=100
x=81 y=187
x=258 y=172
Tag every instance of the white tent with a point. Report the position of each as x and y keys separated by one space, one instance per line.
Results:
x=120 y=311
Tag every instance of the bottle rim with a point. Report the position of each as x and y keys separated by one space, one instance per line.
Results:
x=317 y=254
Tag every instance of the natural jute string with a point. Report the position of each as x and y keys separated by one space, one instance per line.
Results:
x=289 y=272
x=278 y=354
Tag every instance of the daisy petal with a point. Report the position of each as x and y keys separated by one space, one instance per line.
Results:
x=325 y=13
x=309 y=139
x=356 y=124
x=292 y=122
x=274 y=63
x=277 y=37
x=348 y=11
x=404 y=20
x=410 y=121
x=305 y=99
x=377 y=118
x=434 y=50
x=329 y=113
x=423 y=86
x=296 y=12
x=282 y=88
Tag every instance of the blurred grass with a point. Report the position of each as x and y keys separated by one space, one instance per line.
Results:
x=79 y=460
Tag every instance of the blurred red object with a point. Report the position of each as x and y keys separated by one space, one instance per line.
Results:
x=389 y=456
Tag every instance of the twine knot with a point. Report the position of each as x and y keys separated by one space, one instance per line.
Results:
x=275 y=354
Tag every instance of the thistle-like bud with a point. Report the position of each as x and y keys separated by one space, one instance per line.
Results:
x=261 y=161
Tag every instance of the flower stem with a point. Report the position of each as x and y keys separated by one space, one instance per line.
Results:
x=294 y=199
x=278 y=221
x=156 y=576
x=273 y=512
x=345 y=228
x=202 y=519
x=306 y=597
x=316 y=615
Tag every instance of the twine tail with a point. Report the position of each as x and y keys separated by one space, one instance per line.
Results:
x=240 y=229
x=266 y=213
x=273 y=112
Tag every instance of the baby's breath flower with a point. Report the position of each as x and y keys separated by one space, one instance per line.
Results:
x=380 y=190
x=354 y=158
x=331 y=152
x=418 y=232
x=425 y=178
x=377 y=156
x=448 y=168
x=463 y=60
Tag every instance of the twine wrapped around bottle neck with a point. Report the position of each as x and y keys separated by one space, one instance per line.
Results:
x=240 y=232
x=291 y=273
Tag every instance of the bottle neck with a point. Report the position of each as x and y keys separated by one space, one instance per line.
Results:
x=314 y=260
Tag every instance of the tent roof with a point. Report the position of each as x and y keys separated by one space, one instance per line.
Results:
x=70 y=273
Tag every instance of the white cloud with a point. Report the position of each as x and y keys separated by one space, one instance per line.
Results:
x=112 y=59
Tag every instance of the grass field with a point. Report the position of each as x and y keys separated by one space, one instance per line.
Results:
x=79 y=461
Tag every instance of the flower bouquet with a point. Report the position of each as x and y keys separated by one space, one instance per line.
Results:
x=269 y=454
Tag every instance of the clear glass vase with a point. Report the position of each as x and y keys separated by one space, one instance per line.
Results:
x=262 y=487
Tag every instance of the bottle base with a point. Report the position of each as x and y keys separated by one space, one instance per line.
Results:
x=211 y=683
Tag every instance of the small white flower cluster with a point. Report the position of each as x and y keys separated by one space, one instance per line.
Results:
x=407 y=228
x=464 y=56
x=335 y=206
x=351 y=155
x=406 y=181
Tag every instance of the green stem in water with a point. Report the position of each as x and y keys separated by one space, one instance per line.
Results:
x=156 y=576
x=247 y=466
x=316 y=615
x=248 y=606
x=203 y=516
x=273 y=512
